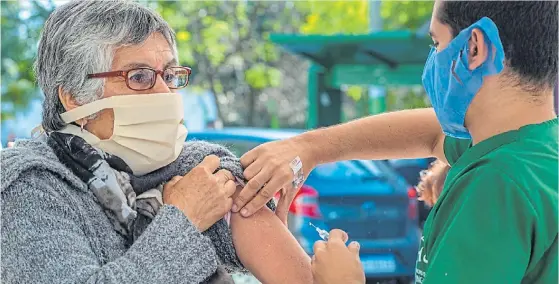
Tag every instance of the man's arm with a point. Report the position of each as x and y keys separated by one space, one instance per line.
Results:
x=403 y=134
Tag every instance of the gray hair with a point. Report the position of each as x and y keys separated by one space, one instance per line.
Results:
x=80 y=38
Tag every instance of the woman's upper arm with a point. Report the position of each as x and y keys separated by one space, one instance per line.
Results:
x=268 y=250
x=38 y=229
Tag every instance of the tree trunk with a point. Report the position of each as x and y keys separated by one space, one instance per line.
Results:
x=252 y=94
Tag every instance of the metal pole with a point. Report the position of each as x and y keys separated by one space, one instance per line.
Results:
x=312 y=96
x=376 y=94
x=375 y=19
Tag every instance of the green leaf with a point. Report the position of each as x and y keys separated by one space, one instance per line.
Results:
x=257 y=77
x=355 y=92
x=19 y=46
x=218 y=87
x=274 y=77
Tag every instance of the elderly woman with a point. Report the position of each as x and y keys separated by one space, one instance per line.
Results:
x=110 y=192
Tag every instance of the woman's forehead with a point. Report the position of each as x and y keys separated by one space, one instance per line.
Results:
x=154 y=52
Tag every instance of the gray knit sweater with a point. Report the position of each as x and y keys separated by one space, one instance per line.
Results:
x=54 y=231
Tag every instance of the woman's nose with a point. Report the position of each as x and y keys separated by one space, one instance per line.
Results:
x=160 y=85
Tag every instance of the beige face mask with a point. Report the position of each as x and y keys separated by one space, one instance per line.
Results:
x=148 y=132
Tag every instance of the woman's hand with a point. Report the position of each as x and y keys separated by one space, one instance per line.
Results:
x=202 y=196
x=334 y=263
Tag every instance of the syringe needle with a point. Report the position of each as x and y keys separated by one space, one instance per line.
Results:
x=322 y=233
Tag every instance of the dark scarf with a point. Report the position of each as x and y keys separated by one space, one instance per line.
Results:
x=130 y=202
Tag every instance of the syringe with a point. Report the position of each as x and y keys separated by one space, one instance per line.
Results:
x=322 y=233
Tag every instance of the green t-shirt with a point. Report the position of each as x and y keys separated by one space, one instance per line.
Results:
x=496 y=219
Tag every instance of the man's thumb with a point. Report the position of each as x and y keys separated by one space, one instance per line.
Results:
x=282 y=209
x=354 y=248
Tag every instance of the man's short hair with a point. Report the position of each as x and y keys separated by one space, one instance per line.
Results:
x=528 y=31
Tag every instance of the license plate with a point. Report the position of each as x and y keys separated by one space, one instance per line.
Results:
x=378 y=264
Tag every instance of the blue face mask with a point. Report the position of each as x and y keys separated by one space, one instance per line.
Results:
x=451 y=85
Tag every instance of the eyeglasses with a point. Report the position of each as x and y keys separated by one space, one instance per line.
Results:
x=144 y=78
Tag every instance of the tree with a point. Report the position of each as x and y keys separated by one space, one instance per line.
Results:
x=410 y=15
x=352 y=17
x=405 y=14
x=254 y=80
x=21 y=24
x=226 y=43
x=334 y=17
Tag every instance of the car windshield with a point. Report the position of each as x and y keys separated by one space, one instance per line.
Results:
x=380 y=168
x=347 y=169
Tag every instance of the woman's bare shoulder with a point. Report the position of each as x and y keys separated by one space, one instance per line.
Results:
x=265 y=246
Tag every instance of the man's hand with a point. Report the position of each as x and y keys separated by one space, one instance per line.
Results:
x=335 y=263
x=378 y=137
x=202 y=196
x=267 y=169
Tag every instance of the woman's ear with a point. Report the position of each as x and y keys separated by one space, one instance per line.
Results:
x=478 y=51
x=69 y=103
x=66 y=99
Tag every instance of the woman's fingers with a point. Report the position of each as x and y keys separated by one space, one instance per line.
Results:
x=229 y=188
x=224 y=176
x=174 y=180
x=210 y=163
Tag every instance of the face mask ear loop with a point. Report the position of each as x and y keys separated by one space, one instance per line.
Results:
x=81 y=126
